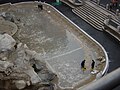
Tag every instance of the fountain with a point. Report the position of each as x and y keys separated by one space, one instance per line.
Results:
x=49 y=48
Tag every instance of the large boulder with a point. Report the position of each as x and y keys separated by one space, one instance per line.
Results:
x=23 y=66
x=20 y=84
x=8 y=16
x=4 y=65
x=46 y=75
x=6 y=42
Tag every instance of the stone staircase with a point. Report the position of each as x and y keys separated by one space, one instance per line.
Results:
x=92 y=15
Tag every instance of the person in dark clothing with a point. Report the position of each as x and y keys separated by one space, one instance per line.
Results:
x=40 y=6
x=92 y=64
x=110 y=6
x=15 y=46
x=35 y=68
x=115 y=2
x=83 y=65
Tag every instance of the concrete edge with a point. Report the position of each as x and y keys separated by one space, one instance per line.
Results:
x=5 y=4
x=14 y=25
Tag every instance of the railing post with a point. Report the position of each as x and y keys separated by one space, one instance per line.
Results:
x=98 y=2
x=118 y=28
x=117 y=12
x=107 y=21
x=107 y=6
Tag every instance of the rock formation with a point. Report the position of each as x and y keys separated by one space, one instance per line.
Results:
x=21 y=68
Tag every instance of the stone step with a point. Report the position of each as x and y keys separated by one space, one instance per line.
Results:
x=86 y=18
x=114 y=33
x=95 y=9
x=96 y=12
x=99 y=8
x=116 y=21
x=92 y=13
x=91 y=17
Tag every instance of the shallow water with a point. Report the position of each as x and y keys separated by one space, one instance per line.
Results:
x=53 y=39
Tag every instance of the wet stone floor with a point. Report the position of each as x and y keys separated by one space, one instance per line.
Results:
x=53 y=39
